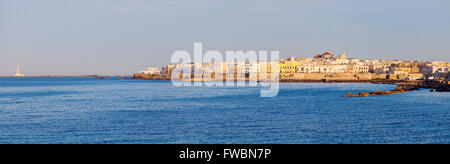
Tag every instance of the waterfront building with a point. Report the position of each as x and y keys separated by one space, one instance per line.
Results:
x=392 y=77
x=339 y=68
x=289 y=66
x=440 y=76
x=313 y=69
x=379 y=69
x=208 y=69
x=254 y=67
x=414 y=76
x=432 y=69
x=151 y=71
x=168 y=69
x=266 y=67
x=415 y=69
x=219 y=68
x=399 y=70
x=427 y=70
x=358 y=68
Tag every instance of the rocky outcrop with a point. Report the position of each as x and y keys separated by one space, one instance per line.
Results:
x=439 y=86
x=407 y=87
x=443 y=89
x=351 y=95
x=401 y=88
x=362 y=94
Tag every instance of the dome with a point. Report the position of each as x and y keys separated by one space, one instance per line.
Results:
x=342 y=56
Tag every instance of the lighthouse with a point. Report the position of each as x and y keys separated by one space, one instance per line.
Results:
x=18 y=74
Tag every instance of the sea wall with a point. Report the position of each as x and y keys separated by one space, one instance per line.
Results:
x=141 y=76
x=440 y=86
x=332 y=76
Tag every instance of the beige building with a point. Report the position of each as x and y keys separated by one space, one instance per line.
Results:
x=379 y=69
x=358 y=69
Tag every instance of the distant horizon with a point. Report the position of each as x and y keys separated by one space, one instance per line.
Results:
x=130 y=74
x=104 y=37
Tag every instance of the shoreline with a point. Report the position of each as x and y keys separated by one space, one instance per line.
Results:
x=434 y=85
x=58 y=76
x=50 y=76
x=415 y=84
x=394 y=82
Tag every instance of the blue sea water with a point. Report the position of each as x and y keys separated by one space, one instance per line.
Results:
x=87 y=110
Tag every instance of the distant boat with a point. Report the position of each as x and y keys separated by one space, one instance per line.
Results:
x=18 y=74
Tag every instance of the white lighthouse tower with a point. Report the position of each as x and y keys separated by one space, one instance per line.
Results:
x=18 y=74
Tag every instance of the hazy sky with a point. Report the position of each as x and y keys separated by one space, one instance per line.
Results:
x=68 y=37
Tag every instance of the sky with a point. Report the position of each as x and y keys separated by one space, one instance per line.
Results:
x=114 y=37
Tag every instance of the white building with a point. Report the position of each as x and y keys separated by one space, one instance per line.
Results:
x=312 y=68
x=341 y=60
x=151 y=71
x=340 y=68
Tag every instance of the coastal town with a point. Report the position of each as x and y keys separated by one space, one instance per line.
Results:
x=325 y=66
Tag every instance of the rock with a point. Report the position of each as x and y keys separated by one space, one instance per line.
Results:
x=351 y=95
x=394 y=91
x=443 y=89
x=432 y=90
x=364 y=94
x=375 y=93
x=400 y=87
x=407 y=87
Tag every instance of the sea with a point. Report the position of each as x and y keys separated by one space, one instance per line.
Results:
x=111 y=111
